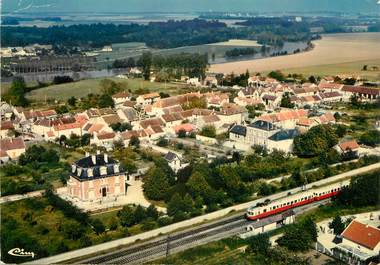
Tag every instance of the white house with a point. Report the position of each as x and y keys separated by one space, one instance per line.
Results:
x=174 y=161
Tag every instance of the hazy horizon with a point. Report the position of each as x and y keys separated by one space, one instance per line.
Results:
x=129 y=6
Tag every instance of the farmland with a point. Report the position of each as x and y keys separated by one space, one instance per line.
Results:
x=84 y=87
x=330 y=50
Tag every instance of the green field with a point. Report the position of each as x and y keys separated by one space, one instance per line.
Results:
x=84 y=87
x=135 y=49
x=351 y=68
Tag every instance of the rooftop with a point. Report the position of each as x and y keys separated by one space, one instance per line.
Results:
x=362 y=234
x=263 y=125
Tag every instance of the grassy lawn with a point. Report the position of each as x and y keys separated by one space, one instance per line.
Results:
x=84 y=87
x=32 y=178
x=350 y=68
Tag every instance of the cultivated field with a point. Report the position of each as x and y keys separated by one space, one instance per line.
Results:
x=84 y=87
x=331 y=49
x=350 y=68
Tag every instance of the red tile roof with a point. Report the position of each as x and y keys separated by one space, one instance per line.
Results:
x=185 y=126
x=128 y=134
x=151 y=122
x=348 y=145
x=6 y=125
x=12 y=143
x=362 y=90
x=121 y=95
x=362 y=234
x=210 y=118
x=106 y=136
x=284 y=115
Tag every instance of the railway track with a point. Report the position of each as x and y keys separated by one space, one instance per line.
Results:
x=182 y=240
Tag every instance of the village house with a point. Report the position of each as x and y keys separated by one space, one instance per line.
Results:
x=146 y=99
x=330 y=87
x=249 y=92
x=127 y=114
x=127 y=135
x=210 y=81
x=348 y=146
x=11 y=148
x=96 y=178
x=216 y=99
x=286 y=118
x=257 y=133
x=232 y=114
x=175 y=161
x=282 y=141
x=185 y=127
x=34 y=115
x=243 y=102
x=362 y=92
x=105 y=139
x=209 y=120
x=357 y=244
x=121 y=97
x=332 y=96
x=194 y=81
x=271 y=101
x=6 y=111
x=5 y=128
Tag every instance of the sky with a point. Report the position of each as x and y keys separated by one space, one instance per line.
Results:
x=31 y=6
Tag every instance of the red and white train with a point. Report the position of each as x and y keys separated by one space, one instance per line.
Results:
x=295 y=200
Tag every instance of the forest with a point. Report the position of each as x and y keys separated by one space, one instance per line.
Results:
x=162 y=35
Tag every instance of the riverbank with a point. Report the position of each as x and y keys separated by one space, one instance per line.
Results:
x=331 y=49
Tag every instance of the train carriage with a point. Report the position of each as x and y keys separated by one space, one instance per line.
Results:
x=295 y=200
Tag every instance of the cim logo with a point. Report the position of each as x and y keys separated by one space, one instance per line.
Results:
x=20 y=252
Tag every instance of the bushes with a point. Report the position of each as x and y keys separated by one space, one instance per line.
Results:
x=132 y=215
x=298 y=237
x=66 y=207
x=371 y=138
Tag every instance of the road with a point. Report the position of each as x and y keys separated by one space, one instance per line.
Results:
x=177 y=242
x=196 y=221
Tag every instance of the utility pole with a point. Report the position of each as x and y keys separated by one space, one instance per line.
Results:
x=167 y=246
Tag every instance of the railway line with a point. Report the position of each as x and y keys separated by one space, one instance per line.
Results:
x=182 y=240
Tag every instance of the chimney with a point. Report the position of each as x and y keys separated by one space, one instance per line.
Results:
x=106 y=158
x=93 y=158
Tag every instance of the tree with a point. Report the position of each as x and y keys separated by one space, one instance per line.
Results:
x=16 y=94
x=278 y=75
x=181 y=133
x=312 y=79
x=72 y=229
x=337 y=225
x=151 y=212
x=259 y=244
x=98 y=226
x=156 y=184
x=371 y=138
x=72 y=101
x=105 y=101
x=139 y=214
x=286 y=102
x=134 y=141
x=163 y=142
x=197 y=185
x=126 y=216
x=363 y=191
x=317 y=140
x=208 y=131
x=146 y=63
